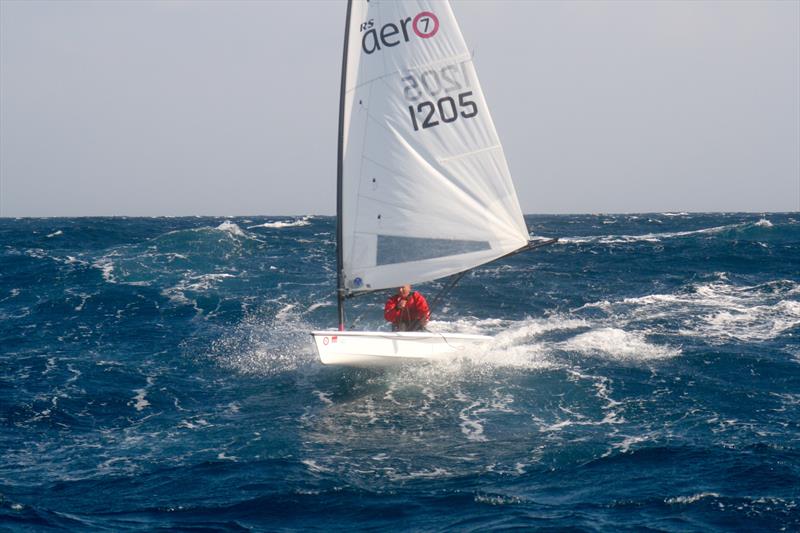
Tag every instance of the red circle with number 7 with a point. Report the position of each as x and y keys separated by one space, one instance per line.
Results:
x=432 y=31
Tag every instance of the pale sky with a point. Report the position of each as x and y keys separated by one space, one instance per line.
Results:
x=231 y=108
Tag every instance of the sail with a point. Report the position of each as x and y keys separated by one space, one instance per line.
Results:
x=425 y=187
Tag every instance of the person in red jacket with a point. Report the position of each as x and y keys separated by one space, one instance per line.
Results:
x=407 y=310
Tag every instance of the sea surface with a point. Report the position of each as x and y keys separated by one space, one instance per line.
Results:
x=158 y=374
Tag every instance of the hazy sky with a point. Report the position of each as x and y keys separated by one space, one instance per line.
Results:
x=226 y=108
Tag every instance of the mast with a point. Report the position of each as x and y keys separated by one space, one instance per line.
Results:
x=339 y=172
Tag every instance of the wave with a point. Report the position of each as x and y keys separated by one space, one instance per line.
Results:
x=197 y=283
x=232 y=228
x=685 y=500
x=277 y=224
x=185 y=261
x=740 y=227
x=228 y=227
x=715 y=312
x=655 y=237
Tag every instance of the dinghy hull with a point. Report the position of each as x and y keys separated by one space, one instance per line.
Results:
x=380 y=349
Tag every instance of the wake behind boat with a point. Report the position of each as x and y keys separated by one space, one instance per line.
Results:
x=423 y=188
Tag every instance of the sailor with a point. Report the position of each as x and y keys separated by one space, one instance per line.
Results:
x=407 y=310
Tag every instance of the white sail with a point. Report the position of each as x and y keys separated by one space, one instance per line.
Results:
x=426 y=190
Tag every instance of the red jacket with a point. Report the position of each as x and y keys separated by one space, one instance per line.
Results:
x=416 y=309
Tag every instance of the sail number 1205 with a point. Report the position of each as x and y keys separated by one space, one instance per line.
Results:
x=446 y=109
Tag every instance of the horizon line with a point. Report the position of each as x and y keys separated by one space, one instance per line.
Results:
x=597 y=213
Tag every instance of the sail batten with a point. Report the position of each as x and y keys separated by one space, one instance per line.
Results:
x=426 y=190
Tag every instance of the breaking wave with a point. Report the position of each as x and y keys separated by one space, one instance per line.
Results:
x=277 y=224
x=661 y=236
x=715 y=312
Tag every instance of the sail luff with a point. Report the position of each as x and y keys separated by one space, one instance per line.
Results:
x=340 y=289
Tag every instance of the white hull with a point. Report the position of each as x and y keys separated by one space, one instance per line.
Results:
x=378 y=349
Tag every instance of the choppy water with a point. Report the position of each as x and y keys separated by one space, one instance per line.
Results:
x=158 y=373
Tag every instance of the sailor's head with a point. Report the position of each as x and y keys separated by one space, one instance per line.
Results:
x=404 y=291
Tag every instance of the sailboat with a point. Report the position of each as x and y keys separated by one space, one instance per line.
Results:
x=423 y=188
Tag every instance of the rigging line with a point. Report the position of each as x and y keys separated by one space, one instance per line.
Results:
x=532 y=245
x=455 y=278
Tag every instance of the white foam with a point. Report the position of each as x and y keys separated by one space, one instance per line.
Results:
x=285 y=312
x=516 y=344
x=684 y=500
x=497 y=500
x=36 y=253
x=277 y=224
x=646 y=237
x=83 y=298
x=193 y=283
x=221 y=456
x=176 y=296
x=314 y=466
x=232 y=228
x=557 y=426
x=718 y=311
x=106 y=266
x=433 y=473
x=186 y=424
x=761 y=322
x=55 y=234
x=629 y=441
x=324 y=397
x=197 y=424
x=140 y=400
x=317 y=305
x=49 y=366
x=471 y=427
x=205 y=282
x=70 y=260
x=658 y=237
x=619 y=344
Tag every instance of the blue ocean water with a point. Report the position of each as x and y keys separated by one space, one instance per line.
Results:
x=157 y=373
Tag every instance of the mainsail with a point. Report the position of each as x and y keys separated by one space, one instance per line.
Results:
x=425 y=190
